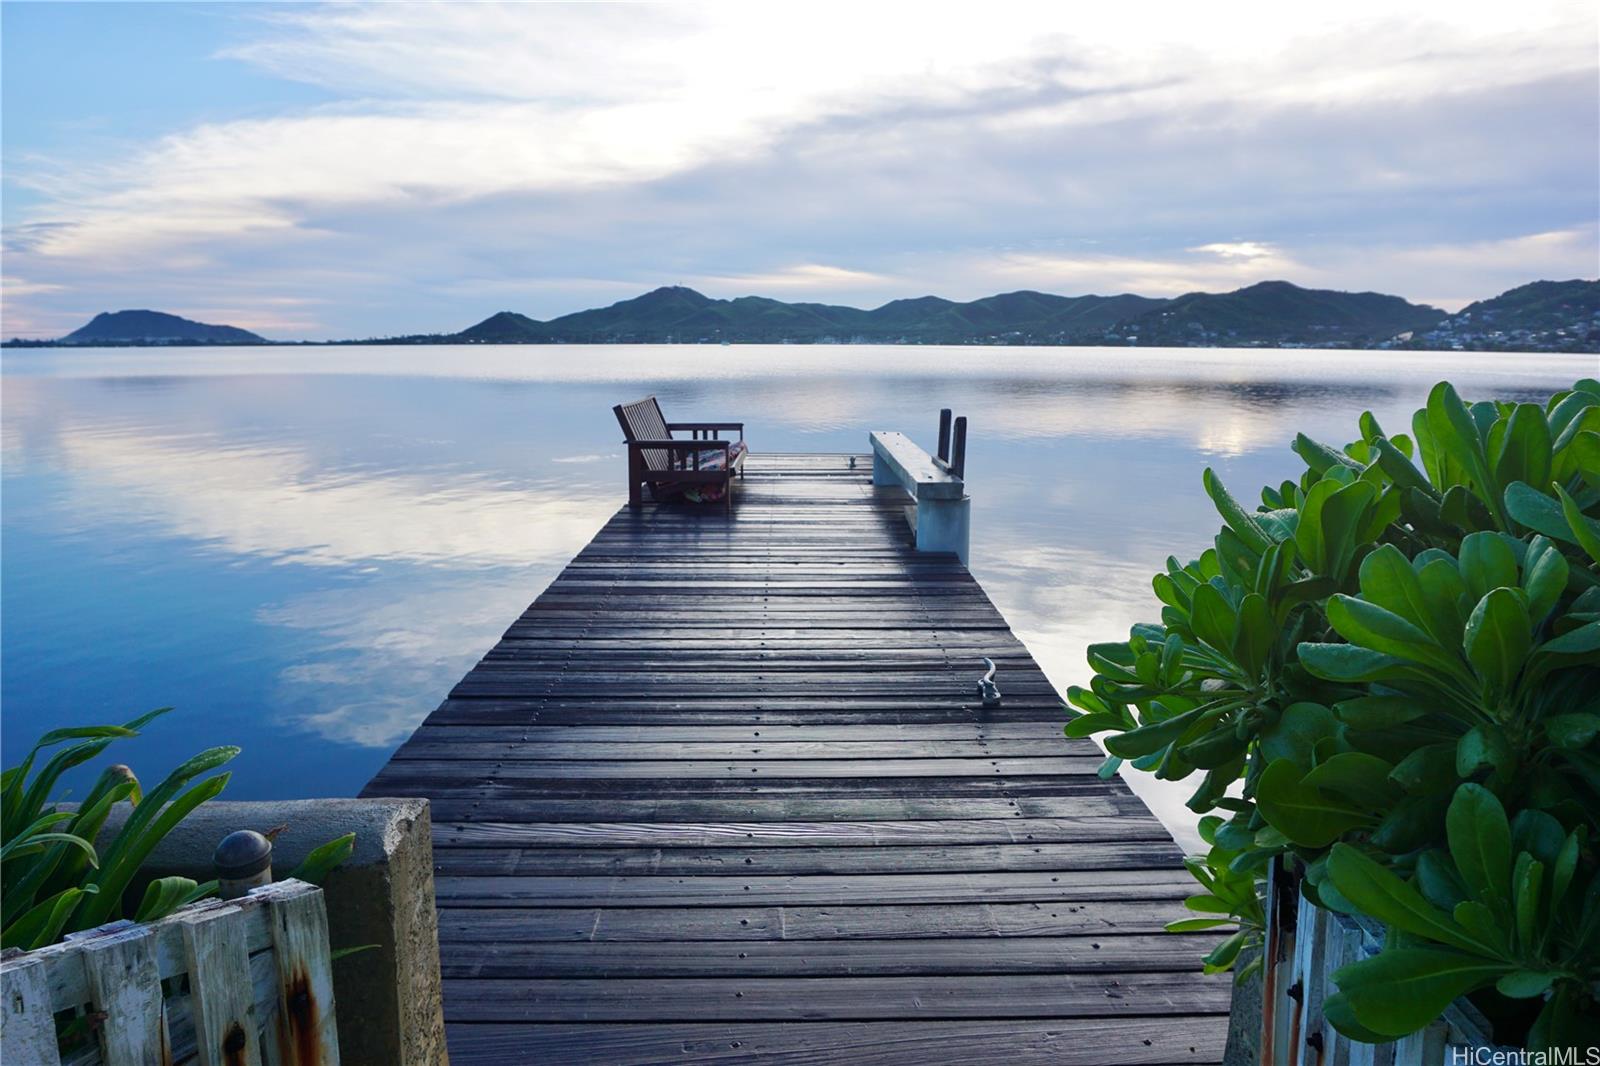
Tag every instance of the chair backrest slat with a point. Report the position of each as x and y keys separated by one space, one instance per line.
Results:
x=642 y=420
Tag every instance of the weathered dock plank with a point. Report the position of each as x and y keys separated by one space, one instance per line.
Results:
x=725 y=792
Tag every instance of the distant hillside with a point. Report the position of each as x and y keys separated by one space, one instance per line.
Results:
x=1537 y=305
x=155 y=327
x=507 y=327
x=1544 y=316
x=1270 y=313
x=1277 y=312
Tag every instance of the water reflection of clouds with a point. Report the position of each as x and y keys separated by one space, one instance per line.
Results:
x=1060 y=599
x=379 y=651
x=278 y=502
x=386 y=653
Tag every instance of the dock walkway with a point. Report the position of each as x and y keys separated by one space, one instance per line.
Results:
x=726 y=791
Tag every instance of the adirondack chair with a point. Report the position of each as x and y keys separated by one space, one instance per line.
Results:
x=701 y=467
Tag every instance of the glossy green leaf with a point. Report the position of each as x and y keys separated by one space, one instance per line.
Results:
x=1574 y=647
x=1487 y=563
x=1525 y=984
x=1379 y=712
x=1254 y=635
x=1527 y=898
x=1370 y=626
x=1544 y=578
x=1455 y=431
x=1431 y=768
x=1482 y=923
x=1497 y=639
x=1385 y=897
x=163 y=896
x=1321 y=458
x=1153 y=736
x=1237 y=518
x=1438 y=881
x=1388 y=580
x=1572 y=731
x=1304 y=814
x=1480 y=844
x=1400 y=990
x=1408 y=823
x=1349 y=663
x=323 y=859
x=1336 y=1008
x=1360 y=778
x=1539 y=511
x=42 y=924
x=1296 y=733
x=1561 y=871
x=1212 y=617
x=1585 y=530
x=1195 y=925
x=1537 y=833
x=1523 y=448
x=1586 y=451
x=1484 y=747
x=1400 y=469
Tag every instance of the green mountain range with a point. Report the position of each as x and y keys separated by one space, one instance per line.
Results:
x=1272 y=312
x=1540 y=316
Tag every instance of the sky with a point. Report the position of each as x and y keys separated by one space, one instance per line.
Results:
x=356 y=170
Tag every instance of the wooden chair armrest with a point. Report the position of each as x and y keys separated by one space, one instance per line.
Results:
x=706 y=427
x=680 y=445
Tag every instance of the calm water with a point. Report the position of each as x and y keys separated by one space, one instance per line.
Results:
x=303 y=549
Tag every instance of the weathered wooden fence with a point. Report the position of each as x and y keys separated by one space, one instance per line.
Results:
x=1305 y=944
x=246 y=982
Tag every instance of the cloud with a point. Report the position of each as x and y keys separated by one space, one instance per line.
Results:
x=803 y=276
x=1238 y=250
x=23 y=287
x=552 y=156
x=1169 y=275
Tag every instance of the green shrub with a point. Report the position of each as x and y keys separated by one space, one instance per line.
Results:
x=1388 y=676
x=53 y=881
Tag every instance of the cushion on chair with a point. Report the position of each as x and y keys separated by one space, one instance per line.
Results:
x=710 y=459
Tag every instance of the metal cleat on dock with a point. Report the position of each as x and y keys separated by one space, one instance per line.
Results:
x=988 y=691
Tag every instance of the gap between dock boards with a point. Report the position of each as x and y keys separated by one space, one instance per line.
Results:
x=726 y=791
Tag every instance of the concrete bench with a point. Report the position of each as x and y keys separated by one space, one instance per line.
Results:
x=941 y=515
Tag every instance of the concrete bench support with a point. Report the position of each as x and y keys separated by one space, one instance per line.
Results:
x=942 y=515
x=389 y=997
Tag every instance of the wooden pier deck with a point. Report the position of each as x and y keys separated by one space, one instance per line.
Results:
x=725 y=792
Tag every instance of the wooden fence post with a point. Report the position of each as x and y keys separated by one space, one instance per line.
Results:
x=219 y=982
x=125 y=987
x=306 y=1030
x=27 y=1025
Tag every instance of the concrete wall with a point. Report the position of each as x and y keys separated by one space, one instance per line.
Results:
x=387 y=999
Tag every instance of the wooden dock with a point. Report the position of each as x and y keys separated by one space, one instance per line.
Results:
x=726 y=792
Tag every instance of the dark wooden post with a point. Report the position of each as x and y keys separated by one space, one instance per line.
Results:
x=958 y=461
x=944 y=434
x=635 y=477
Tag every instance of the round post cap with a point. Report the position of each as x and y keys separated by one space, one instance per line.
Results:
x=242 y=853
